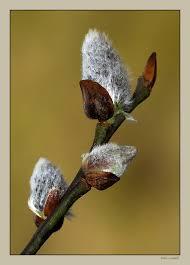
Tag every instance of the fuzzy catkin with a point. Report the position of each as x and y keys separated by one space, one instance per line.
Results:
x=45 y=176
x=109 y=157
x=101 y=63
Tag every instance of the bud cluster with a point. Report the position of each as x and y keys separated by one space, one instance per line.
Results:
x=106 y=90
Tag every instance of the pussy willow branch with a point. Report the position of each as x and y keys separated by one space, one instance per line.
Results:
x=79 y=187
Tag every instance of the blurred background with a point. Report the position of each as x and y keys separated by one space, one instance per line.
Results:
x=139 y=214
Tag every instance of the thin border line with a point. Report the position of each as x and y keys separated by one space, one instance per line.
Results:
x=25 y=10
x=179 y=142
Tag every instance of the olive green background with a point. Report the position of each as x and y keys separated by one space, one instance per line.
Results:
x=139 y=214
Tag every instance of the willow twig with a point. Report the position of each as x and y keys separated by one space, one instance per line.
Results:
x=79 y=187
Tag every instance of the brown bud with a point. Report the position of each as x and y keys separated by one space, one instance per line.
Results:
x=101 y=180
x=97 y=101
x=52 y=201
x=150 y=71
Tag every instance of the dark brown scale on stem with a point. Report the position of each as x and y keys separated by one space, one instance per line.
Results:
x=97 y=101
x=101 y=180
x=52 y=201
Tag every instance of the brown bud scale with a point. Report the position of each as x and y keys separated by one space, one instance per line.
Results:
x=52 y=201
x=97 y=101
x=101 y=180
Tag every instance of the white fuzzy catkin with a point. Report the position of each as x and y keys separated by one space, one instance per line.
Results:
x=101 y=63
x=45 y=177
x=109 y=158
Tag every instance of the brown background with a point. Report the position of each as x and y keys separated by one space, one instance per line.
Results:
x=140 y=214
